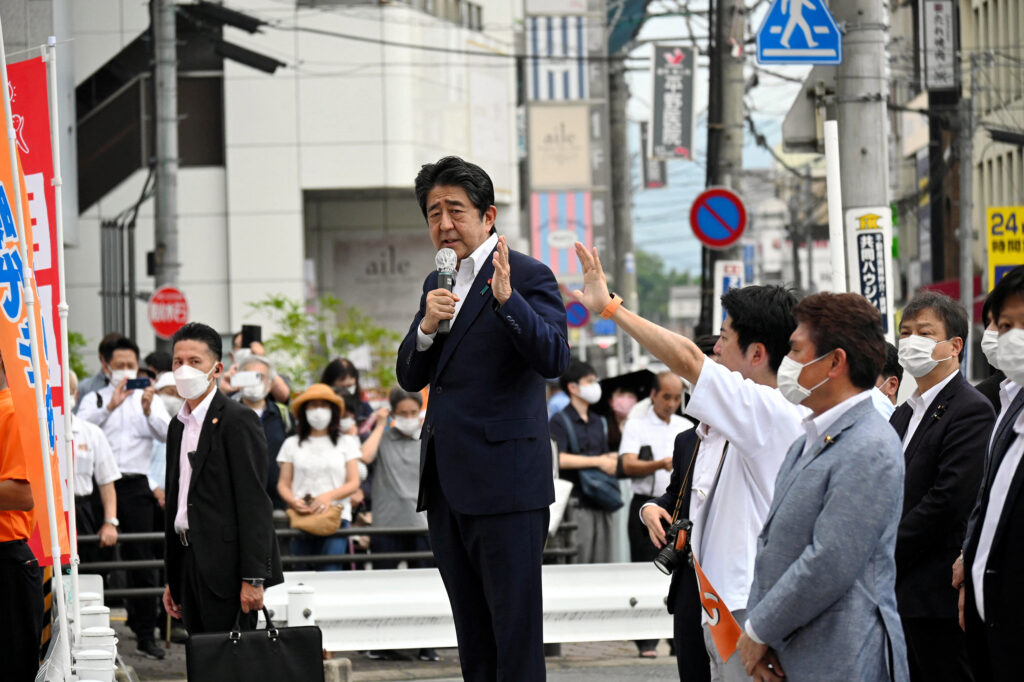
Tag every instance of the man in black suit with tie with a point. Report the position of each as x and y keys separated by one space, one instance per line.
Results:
x=221 y=551
x=485 y=465
x=942 y=426
x=991 y=589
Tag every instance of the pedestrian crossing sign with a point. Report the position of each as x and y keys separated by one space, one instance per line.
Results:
x=799 y=32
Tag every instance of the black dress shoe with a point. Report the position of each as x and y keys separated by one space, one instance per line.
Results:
x=150 y=649
x=429 y=655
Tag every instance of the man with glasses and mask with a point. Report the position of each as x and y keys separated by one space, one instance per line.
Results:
x=253 y=382
x=941 y=426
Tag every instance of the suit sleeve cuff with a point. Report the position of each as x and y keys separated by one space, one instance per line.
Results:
x=649 y=504
x=750 y=632
x=423 y=340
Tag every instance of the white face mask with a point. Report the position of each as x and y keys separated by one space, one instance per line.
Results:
x=789 y=379
x=256 y=393
x=1011 y=355
x=916 y=355
x=346 y=424
x=172 y=402
x=318 y=417
x=590 y=393
x=119 y=375
x=192 y=382
x=407 y=425
x=990 y=346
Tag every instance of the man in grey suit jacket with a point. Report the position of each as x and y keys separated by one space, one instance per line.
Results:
x=823 y=605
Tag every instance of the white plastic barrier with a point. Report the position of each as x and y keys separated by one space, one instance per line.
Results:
x=359 y=610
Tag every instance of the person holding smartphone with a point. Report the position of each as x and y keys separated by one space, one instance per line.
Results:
x=132 y=419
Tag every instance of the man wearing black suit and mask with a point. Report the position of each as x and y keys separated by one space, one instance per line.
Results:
x=943 y=426
x=221 y=550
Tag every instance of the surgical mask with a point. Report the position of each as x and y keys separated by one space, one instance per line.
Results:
x=789 y=379
x=318 y=417
x=1011 y=355
x=119 y=375
x=192 y=382
x=916 y=355
x=590 y=393
x=623 y=403
x=345 y=390
x=990 y=346
x=346 y=424
x=256 y=393
x=172 y=402
x=407 y=425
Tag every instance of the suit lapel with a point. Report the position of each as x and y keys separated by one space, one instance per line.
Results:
x=932 y=415
x=471 y=307
x=1001 y=441
x=210 y=423
x=901 y=420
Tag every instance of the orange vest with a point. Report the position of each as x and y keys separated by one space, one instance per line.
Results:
x=14 y=525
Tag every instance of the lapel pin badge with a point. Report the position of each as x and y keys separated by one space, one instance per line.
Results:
x=829 y=439
x=215 y=420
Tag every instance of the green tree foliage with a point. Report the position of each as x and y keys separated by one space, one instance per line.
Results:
x=76 y=342
x=312 y=334
x=653 y=284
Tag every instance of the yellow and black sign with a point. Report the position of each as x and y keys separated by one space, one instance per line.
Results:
x=1004 y=227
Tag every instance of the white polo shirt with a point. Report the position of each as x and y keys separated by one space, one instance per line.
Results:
x=650 y=429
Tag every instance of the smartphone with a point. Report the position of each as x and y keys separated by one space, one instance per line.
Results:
x=140 y=382
x=243 y=379
x=251 y=333
x=645 y=454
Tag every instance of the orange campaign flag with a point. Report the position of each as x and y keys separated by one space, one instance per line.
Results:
x=725 y=631
x=16 y=348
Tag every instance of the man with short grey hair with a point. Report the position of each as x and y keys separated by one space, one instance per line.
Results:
x=253 y=379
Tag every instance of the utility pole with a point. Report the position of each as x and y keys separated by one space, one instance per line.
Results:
x=622 y=198
x=965 y=138
x=163 y=18
x=725 y=132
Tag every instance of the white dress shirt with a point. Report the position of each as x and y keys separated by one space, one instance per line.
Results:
x=760 y=425
x=193 y=421
x=994 y=510
x=130 y=432
x=919 y=402
x=468 y=269
x=94 y=460
x=882 y=403
x=650 y=429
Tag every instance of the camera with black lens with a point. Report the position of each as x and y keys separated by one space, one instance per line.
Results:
x=676 y=549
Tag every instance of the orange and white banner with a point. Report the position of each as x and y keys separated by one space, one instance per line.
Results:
x=15 y=346
x=725 y=631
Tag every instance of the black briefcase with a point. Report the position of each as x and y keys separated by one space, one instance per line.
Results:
x=294 y=654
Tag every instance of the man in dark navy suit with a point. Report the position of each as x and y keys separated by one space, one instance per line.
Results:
x=485 y=463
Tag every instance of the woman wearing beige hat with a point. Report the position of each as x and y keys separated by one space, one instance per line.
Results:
x=319 y=471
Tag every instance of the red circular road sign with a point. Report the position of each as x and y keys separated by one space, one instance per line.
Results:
x=168 y=311
x=718 y=217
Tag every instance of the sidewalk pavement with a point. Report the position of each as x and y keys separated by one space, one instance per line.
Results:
x=574 y=655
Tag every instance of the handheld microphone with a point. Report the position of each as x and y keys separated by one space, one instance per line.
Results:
x=446 y=261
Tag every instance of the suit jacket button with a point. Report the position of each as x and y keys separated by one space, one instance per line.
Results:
x=439 y=390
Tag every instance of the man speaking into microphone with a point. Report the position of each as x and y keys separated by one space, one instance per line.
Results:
x=485 y=462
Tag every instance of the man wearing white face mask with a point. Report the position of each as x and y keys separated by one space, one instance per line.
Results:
x=253 y=382
x=941 y=426
x=132 y=419
x=581 y=436
x=989 y=387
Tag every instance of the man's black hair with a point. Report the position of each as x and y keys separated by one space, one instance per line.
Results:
x=762 y=314
x=892 y=366
x=160 y=360
x=197 y=331
x=1011 y=284
x=107 y=345
x=451 y=171
x=576 y=370
x=122 y=343
x=951 y=313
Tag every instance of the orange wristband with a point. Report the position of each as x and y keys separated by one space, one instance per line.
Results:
x=612 y=306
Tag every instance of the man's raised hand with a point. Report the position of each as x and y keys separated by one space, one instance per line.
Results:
x=595 y=294
x=501 y=283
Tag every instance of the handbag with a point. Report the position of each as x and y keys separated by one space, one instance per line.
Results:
x=271 y=654
x=600 y=489
x=325 y=523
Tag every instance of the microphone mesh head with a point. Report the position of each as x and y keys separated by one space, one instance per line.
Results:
x=446 y=260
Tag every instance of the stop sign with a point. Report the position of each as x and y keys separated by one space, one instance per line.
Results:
x=168 y=311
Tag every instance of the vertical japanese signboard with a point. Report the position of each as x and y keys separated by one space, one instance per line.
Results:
x=1004 y=227
x=672 y=117
x=938 y=45
x=655 y=175
x=869 y=249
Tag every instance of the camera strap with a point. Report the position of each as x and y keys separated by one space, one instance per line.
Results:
x=686 y=482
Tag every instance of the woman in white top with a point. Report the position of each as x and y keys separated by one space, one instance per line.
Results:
x=319 y=468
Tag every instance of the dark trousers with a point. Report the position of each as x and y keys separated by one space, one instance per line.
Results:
x=87 y=524
x=21 y=611
x=204 y=611
x=136 y=513
x=641 y=549
x=936 y=650
x=385 y=544
x=491 y=568
x=691 y=654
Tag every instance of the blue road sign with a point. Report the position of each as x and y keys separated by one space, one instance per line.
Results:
x=799 y=32
x=604 y=327
x=576 y=314
x=718 y=217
